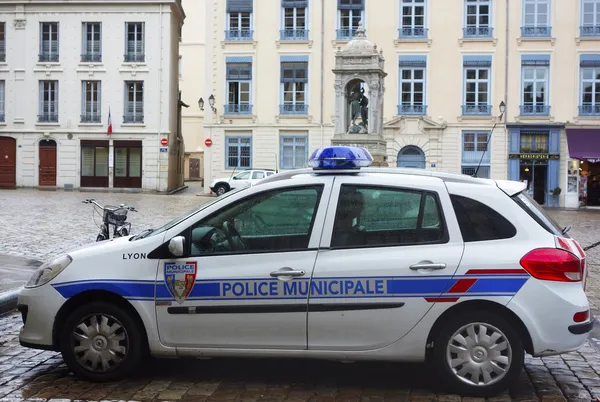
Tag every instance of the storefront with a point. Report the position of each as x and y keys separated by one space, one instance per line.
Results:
x=583 y=168
x=534 y=158
x=122 y=160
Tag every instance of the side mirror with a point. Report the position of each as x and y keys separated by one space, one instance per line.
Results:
x=176 y=246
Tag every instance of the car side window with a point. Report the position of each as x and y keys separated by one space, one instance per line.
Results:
x=270 y=174
x=242 y=176
x=258 y=175
x=478 y=222
x=272 y=221
x=369 y=216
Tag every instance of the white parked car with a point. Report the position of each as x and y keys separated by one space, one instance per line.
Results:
x=468 y=274
x=222 y=185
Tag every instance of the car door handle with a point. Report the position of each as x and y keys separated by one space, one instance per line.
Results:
x=286 y=271
x=427 y=265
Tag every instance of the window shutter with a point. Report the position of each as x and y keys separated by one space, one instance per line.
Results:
x=239 y=6
x=294 y=72
x=239 y=71
x=351 y=5
x=294 y=3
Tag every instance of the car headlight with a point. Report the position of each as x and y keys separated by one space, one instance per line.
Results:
x=47 y=271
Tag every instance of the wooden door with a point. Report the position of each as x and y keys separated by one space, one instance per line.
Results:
x=47 y=163
x=194 y=168
x=8 y=162
x=128 y=164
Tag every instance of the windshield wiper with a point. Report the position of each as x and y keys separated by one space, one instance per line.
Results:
x=142 y=234
x=566 y=229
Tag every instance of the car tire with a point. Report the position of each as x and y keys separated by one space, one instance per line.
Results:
x=220 y=189
x=100 y=238
x=105 y=348
x=462 y=351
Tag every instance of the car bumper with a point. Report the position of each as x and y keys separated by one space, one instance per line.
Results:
x=38 y=308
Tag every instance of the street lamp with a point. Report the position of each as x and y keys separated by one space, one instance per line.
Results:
x=502 y=108
x=211 y=102
x=201 y=104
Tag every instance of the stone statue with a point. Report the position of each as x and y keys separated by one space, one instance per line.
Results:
x=359 y=107
x=364 y=109
x=355 y=102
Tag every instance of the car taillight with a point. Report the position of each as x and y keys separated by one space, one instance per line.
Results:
x=582 y=316
x=552 y=264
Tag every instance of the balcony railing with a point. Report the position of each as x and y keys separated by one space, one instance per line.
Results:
x=412 y=33
x=91 y=57
x=239 y=34
x=293 y=109
x=469 y=157
x=590 y=30
x=130 y=118
x=238 y=109
x=536 y=32
x=412 y=110
x=346 y=34
x=293 y=34
x=134 y=57
x=47 y=118
x=91 y=118
x=535 y=110
x=589 y=110
x=48 y=57
x=478 y=32
x=476 y=110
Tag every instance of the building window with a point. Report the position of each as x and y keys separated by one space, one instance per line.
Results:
x=90 y=102
x=94 y=163
x=412 y=86
x=534 y=143
x=239 y=20
x=128 y=164
x=350 y=15
x=2 y=42
x=92 y=42
x=535 y=87
x=48 y=109
x=478 y=19
x=477 y=86
x=294 y=81
x=590 y=91
x=134 y=102
x=294 y=20
x=294 y=152
x=2 y=101
x=474 y=153
x=238 y=152
x=590 y=18
x=134 y=45
x=239 y=85
x=412 y=19
x=48 y=42
x=536 y=18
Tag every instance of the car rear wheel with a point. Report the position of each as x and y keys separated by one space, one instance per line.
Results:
x=478 y=354
x=101 y=342
x=220 y=189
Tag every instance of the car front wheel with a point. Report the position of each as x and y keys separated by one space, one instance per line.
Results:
x=101 y=342
x=478 y=354
x=220 y=189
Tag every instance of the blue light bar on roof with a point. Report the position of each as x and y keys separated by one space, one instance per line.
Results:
x=339 y=157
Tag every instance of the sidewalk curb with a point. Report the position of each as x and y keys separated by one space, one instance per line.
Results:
x=9 y=299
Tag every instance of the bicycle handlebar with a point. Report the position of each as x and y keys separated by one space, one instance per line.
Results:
x=93 y=201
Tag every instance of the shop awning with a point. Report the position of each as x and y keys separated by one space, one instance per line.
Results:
x=584 y=144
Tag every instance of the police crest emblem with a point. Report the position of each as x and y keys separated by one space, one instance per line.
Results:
x=180 y=279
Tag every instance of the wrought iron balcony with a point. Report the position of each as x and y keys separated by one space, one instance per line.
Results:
x=476 y=110
x=589 y=110
x=413 y=33
x=47 y=118
x=134 y=57
x=91 y=57
x=412 y=110
x=297 y=109
x=346 y=34
x=239 y=34
x=91 y=118
x=130 y=118
x=590 y=30
x=478 y=32
x=293 y=34
x=536 y=32
x=535 y=110
x=48 y=57
x=238 y=109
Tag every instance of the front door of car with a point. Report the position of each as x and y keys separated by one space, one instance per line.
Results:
x=388 y=253
x=242 y=280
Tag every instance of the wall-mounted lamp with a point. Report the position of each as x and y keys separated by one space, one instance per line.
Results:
x=502 y=109
x=201 y=103
x=211 y=103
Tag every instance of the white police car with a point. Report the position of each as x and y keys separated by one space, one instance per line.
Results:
x=341 y=262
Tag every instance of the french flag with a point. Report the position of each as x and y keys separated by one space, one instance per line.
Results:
x=109 y=131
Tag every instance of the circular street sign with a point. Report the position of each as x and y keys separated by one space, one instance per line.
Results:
x=208 y=142
x=164 y=142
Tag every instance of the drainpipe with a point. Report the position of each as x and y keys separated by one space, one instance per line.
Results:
x=322 y=67
x=158 y=107
x=506 y=76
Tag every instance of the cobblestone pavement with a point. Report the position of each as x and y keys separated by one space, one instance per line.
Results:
x=41 y=224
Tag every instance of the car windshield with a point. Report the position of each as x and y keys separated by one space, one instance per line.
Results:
x=538 y=214
x=181 y=218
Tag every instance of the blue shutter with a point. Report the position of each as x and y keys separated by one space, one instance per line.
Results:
x=239 y=6
x=239 y=68
x=535 y=60
x=412 y=61
x=477 y=61
x=294 y=68
x=294 y=3
x=589 y=60
x=351 y=5
x=514 y=148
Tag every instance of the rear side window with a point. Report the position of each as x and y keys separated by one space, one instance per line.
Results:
x=534 y=210
x=478 y=222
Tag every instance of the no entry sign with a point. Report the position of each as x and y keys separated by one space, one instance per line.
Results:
x=208 y=142
x=164 y=142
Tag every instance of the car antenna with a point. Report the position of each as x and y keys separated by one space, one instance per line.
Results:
x=487 y=145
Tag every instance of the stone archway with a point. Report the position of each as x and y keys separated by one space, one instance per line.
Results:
x=411 y=156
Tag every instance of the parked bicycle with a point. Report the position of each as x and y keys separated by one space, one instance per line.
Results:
x=111 y=215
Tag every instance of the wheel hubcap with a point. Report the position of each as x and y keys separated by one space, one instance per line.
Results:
x=100 y=343
x=479 y=354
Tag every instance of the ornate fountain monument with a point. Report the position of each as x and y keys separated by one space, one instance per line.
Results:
x=359 y=89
